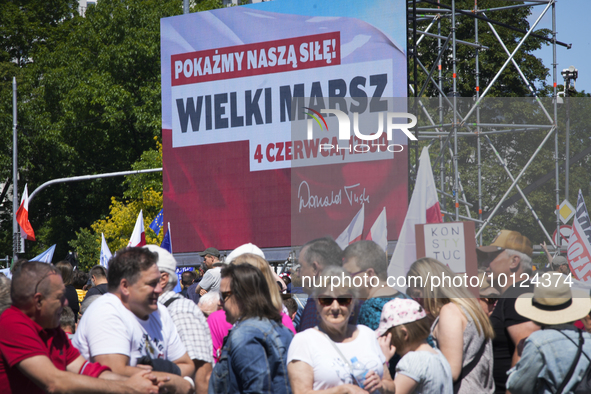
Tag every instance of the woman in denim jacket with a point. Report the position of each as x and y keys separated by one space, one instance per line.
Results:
x=254 y=353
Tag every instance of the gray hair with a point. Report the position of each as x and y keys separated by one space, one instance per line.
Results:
x=526 y=262
x=325 y=251
x=172 y=281
x=87 y=301
x=67 y=319
x=368 y=254
x=27 y=279
x=5 y=299
x=211 y=297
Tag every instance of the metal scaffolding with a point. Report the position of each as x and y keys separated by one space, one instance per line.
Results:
x=468 y=124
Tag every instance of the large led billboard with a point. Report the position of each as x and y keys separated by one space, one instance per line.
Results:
x=235 y=81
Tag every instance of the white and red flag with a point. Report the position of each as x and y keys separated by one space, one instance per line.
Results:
x=379 y=231
x=138 y=237
x=579 y=243
x=22 y=217
x=353 y=231
x=423 y=208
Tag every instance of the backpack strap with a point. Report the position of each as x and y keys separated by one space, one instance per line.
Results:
x=571 y=371
x=170 y=301
x=472 y=364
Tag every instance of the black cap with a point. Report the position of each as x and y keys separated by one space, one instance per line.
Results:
x=211 y=251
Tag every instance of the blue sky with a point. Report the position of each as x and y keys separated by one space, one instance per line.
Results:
x=571 y=18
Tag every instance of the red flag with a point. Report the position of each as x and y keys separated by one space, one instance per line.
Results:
x=138 y=237
x=379 y=231
x=353 y=231
x=423 y=208
x=22 y=217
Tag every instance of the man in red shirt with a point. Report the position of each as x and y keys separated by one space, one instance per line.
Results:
x=36 y=354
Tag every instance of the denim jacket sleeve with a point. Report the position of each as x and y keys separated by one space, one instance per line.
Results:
x=250 y=364
x=523 y=377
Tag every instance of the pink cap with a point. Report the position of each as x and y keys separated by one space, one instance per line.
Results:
x=399 y=311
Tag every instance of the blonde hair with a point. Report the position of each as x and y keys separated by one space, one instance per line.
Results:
x=263 y=266
x=435 y=297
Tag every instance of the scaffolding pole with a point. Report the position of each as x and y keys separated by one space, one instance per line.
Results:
x=478 y=153
x=555 y=78
x=444 y=131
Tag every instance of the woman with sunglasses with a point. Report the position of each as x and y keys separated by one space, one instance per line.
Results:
x=335 y=356
x=461 y=329
x=217 y=322
x=253 y=358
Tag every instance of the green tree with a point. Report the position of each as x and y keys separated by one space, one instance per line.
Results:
x=89 y=102
x=514 y=148
x=26 y=26
x=509 y=83
x=143 y=192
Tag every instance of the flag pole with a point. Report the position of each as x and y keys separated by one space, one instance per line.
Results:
x=170 y=237
x=15 y=234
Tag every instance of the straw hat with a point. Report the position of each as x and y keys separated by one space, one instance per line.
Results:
x=553 y=304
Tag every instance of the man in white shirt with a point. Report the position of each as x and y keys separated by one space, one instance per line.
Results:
x=128 y=324
x=188 y=319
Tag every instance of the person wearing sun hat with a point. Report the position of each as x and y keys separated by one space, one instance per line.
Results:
x=508 y=264
x=550 y=354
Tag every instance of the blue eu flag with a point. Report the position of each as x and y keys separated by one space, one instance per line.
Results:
x=158 y=221
x=166 y=243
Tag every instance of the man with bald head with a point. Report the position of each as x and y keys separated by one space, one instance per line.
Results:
x=36 y=354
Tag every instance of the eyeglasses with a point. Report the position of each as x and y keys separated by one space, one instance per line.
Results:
x=344 y=300
x=224 y=295
x=43 y=278
x=354 y=274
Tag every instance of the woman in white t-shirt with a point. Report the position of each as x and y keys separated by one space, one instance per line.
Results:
x=335 y=355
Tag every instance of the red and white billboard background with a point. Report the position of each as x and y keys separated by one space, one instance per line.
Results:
x=232 y=171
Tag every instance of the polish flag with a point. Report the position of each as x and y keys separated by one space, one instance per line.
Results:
x=353 y=231
x=138 y=237
x=379 y=231
x=22 y=217
x=423 y=208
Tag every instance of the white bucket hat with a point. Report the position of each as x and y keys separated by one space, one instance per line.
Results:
x=243 y=249
x=166 y=261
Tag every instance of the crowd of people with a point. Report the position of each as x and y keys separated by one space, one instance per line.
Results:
x=238 y=327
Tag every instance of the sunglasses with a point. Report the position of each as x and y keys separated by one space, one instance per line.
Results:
x=224 y=295
x=489 y=301
x=485 y=261
x=344 y=300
